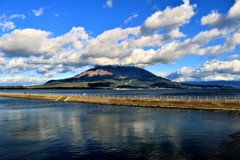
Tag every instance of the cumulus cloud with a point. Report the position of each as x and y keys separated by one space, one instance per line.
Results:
x=211 y=71
x=205 y=36
x=230 y=19
x=233 y=40
x=28 y=42
x=130 y=18
x=22 y=80
x=168 y=19
x=232 y=67
x=113 y=47
x=158 y=40
x=17 y=65
x=38 y=12
x=24 y=42
x=76 y=37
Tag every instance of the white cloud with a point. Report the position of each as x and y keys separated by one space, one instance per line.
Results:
x=38 y=51
x=234 y=10
x=2 y=63
x=219 y=77
x=206 y=36
x=182 y=75
x=21 y=16
x=233 y=40
x=5 y=24
x=170 y=18
x=233 y=56
x=145 y=41
x=163 y=74
x=22 y=80
x=113 y=47
x=1 y=60
x=210 y=71
x=33 y=49
x=212 y=19
x=24 y=42
x=197 y=45
x=139 y=57
x=108 y=4
x=29 y=42
x=17 y=64
x=232 y=67
x=130 y=18
x=111 y=43
x=38 y=12
x=75 y=37
x=229 y=20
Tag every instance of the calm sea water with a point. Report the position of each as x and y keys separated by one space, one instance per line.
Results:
x=35 y=129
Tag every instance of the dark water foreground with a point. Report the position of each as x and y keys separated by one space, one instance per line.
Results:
x=34 y=129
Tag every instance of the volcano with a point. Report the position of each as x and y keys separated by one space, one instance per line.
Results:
x=114 y=77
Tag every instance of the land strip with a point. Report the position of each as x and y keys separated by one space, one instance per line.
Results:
x=207 y=104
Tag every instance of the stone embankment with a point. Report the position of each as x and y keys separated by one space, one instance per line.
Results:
x=224 y=104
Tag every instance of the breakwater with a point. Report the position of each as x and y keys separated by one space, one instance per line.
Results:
x=181 y=102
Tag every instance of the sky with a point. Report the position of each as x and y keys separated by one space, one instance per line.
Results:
x=182 y=40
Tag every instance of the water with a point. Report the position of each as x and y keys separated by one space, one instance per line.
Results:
x=35 y=129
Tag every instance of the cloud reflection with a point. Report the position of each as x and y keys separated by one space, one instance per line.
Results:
x=82 y=130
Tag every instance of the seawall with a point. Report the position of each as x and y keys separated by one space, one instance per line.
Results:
x=180 y=103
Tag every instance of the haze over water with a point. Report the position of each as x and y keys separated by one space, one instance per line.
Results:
x=34 y=129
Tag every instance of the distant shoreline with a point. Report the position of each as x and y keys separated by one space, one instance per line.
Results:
x=79 y=88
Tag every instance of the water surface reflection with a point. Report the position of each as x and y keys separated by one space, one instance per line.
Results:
x=32 y=129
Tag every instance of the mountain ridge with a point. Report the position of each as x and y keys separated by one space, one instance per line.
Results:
x=115 y=77
x=234 y=84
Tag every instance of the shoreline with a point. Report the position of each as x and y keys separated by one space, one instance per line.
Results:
x=214 y=105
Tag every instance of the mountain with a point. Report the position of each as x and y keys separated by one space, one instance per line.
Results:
x=114 y=77
x=234 y=84
x=115 y=72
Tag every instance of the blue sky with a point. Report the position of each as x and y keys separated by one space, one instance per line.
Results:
x=183 y=40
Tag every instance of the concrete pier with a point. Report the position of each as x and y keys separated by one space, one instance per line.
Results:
x=199 y=103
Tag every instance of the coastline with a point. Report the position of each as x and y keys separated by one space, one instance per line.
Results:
x=214 y=105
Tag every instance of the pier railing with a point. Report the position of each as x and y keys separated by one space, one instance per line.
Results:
x=135 y=97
